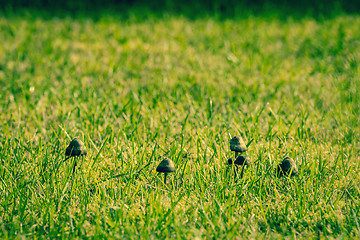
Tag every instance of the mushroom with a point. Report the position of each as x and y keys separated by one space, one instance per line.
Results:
x=237 y=145
x=76 y=148
x=287 y=167
x=166 y=166
x=241 y=160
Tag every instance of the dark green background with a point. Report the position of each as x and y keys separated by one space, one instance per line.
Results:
x=192 y=8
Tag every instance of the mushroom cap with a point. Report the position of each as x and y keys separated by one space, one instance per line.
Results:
x=286 y=167
x=237 y=144
x=166 y=166
x=76 y=148
x=240 y=160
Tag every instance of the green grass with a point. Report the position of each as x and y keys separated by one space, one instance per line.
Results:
x=138 y=88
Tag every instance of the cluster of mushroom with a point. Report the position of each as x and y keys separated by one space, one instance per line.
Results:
x=238 y=145
x=285 y=168
x=77 y=149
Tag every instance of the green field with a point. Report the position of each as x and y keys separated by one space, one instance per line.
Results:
x=138 y=88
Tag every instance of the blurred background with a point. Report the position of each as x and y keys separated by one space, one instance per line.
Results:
x=193 y=8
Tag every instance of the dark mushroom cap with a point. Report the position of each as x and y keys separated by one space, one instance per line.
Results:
x=286 y=167
x=76 y=148
x=240 y=160
x=237 y=144
x=166 y=166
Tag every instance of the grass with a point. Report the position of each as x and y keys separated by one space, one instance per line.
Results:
x=138 y=88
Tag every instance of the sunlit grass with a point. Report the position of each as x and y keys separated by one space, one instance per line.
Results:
x=135 y=91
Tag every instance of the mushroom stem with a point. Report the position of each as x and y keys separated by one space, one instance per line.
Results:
x=242 y=171
x=74 y=167
x=165 y=178
x=236 y=167
x=235 y=173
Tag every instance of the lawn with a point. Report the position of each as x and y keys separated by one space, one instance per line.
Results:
x=139 y=88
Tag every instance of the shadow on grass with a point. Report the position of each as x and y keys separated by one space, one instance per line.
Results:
x=139 y=10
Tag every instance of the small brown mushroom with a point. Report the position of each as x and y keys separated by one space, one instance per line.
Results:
x=76 y=148
x=166 y=166
x=237 y=145
x=242 y=160
x=287 y=167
